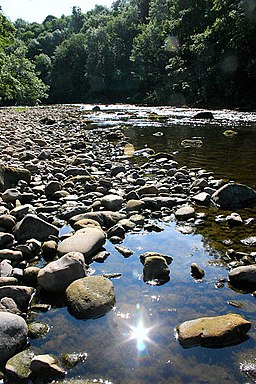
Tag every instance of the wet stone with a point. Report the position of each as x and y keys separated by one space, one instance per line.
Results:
x=155 y=270
x=71 y=359
x=36 y=330
x=213 y=331
x=126 y=252
x=8 y=280
x=202 y=198
x=18 y=367
x=11 y=195
x=196 y=271
x=49 y=249
x=90 y=297
x=243 y=276
x=8 y=305
x=234 y=219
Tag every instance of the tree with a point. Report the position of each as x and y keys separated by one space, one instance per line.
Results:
x=67 y=76
x=19 y=83
x=6 y=32
x=76 y=20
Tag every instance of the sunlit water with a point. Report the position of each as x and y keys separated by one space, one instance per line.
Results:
x=135 y=342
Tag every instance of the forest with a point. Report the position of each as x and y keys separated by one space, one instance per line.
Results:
x=157 y=52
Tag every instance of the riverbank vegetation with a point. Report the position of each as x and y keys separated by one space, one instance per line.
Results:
x=174 y=52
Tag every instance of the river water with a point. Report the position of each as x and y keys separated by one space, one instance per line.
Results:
x=135 y=342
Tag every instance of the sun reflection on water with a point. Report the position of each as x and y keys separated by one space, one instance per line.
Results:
x=140 y=334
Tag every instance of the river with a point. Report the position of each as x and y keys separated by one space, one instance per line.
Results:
x=135 y=343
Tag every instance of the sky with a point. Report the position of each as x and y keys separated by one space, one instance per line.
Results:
x=37 y=10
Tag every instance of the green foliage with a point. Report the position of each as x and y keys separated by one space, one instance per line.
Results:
x=19 y=83
x=6 y=32
x=175 y=52
x=67 y=76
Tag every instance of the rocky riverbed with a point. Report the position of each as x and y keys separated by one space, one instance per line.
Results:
x=68 y=186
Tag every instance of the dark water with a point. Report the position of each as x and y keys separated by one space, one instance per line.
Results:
x=135 y=342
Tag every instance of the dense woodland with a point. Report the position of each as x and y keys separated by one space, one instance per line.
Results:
x=171 y=52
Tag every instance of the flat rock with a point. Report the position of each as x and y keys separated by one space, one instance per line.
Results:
x=87 y=242
x=18 y=366
x=213 y=331
x=7 y=280
x=145 y=255
x=57 y=275
x=85 y=223
x=31 y=226
x=13 y=335
x=148 y=190
x=185 y=213
x=11 y=254
x=90 y=297
x=244 y=276
x=234 y=196
x=105 y=218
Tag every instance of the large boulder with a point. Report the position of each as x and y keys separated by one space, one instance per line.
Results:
x=213 y=331
x=234 y=196
x=9 y=176
x=13 y=335
x=33 y=227
x=57 y=275
x=244 y=277
x=86 y=241
x=90 y=297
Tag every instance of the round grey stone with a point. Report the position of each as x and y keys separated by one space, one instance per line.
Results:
x=13 y=335
x=90 y=297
